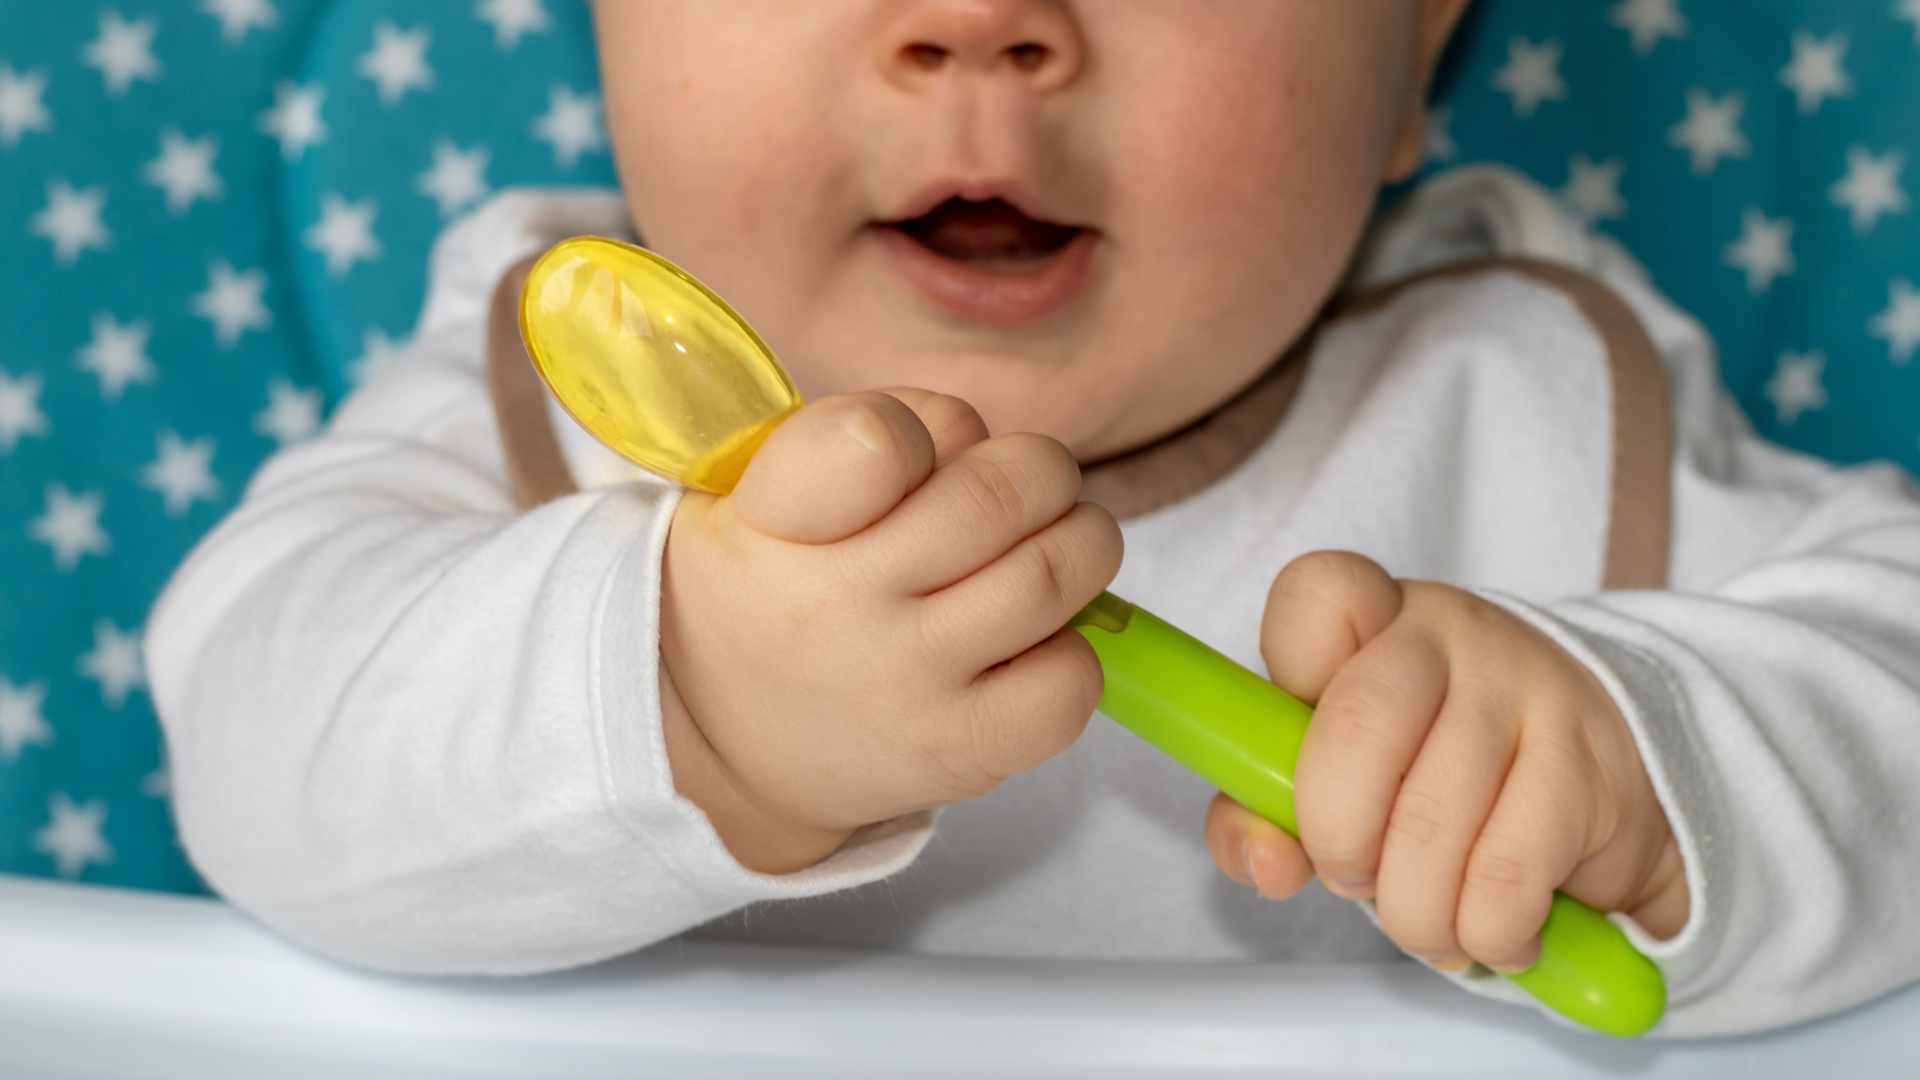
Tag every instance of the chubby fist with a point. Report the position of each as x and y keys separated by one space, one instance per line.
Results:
x=1459 y=768
x=871 y=623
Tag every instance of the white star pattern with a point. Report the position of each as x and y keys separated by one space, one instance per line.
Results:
x=184 y=170
x=294 y=118
x=72 y=835
x=397 y=62
x=158 y=784
x=1871 y=187
x=1795 y=387
x=1764 y=250
x=1910 y=11
x=21 y=107
x=117 y=355
x=1593 y=190
x=115 y=663
x=232 y=302
x=21 y=722
x=1532 y=75
x=71 y=526
x=1649 y=21
x=292 y=414
x=377 y=350
x=71 y=221
x=1900 y=323
x=1711 y=130
x=513 y=20
x=571 y=123
x=123 y=52
x=20 y=414
x=1440 y=145
x=1816 y=73
x=182 y=473
x=344 y=233
x=239 y=16
x=458 y=178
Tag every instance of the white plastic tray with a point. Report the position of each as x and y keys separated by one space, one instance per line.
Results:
x=105 y=983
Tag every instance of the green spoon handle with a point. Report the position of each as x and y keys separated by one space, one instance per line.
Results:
x=1242 y=734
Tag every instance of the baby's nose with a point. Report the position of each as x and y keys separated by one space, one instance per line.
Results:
x=1037 y=41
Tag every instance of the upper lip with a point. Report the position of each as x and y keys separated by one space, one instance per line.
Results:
x=1009 y=192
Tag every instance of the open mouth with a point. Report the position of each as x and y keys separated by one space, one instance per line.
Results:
x=991 y=235
x=988 y=260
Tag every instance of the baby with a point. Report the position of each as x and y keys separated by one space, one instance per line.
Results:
x=1566 y=622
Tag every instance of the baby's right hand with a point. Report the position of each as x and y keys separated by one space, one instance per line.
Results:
x=871 y=624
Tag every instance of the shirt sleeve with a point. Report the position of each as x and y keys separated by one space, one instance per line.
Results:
x=1774 y=691
x=416 y=729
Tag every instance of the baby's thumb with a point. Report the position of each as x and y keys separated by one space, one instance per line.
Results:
x=834 y=468
x=1321 y=610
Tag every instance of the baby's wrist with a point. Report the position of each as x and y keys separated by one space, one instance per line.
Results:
x=760 y=840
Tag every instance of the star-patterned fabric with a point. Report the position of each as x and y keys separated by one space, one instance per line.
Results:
x=216 y=214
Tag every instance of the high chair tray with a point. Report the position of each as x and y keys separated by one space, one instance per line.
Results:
x=98 y=982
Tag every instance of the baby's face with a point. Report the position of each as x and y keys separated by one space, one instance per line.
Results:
x=1094 y=219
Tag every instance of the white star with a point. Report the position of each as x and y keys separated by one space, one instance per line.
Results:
x=1440 y=145
x=72 y=834
x=182 y=472
x=1593 y=191
x=1815 y=72
x=184 y=170
x=239 y=16
x=1531 y=76
x=344 y=233
x=123 y=52
x=571 y=123
x=71 y=526
x=1764 y=250
x=158 y=784
x=72 y=221
x=294 y=118
x=512 y=20
x=1711 y=130
x=20 y=413
x=397 y=61
x=1900 y=323
x=1909 y=10
x=21 y=109
x=1649 y=21
x=291 y=415
x=117 y=354
x=377 y=350
x=1871 y=187
x=1795 y=387
x=21 y=723
x=458 y=177
x=232 y=302
x=115 y=663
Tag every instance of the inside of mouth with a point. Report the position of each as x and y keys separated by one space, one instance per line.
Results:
x=992 y=232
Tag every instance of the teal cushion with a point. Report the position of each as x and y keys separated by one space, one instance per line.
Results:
x=167 y=325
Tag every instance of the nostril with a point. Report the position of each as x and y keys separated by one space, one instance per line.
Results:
x=924 y=56
x=1028 y=55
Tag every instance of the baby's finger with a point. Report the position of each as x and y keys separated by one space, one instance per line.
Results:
x=1322 y=609
x=1254 y=851
x=972 y=511
x=1025 y=596
x=834 y=468
x=1443 y=803
x=1365 y=734
x=1534 y=838
x=1025 y=711
x=953 y=423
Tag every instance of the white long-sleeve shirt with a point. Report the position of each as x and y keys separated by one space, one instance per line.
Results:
x=417 y=729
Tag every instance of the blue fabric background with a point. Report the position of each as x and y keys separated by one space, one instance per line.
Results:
x=91 y=94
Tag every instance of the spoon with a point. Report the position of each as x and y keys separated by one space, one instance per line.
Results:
x=661 y=370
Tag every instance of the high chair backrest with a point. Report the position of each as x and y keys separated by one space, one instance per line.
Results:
x=215 y=214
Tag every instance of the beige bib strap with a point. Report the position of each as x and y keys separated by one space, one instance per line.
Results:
x=534 y=461
x=1640 y=515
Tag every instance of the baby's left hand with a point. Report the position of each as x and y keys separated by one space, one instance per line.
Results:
x=1459 y=768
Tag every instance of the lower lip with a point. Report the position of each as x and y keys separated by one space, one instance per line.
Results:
x=992 y=296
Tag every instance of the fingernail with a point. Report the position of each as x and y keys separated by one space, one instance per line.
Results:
x=1512 y=969
x=1246 y=863
x=1350 y=888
